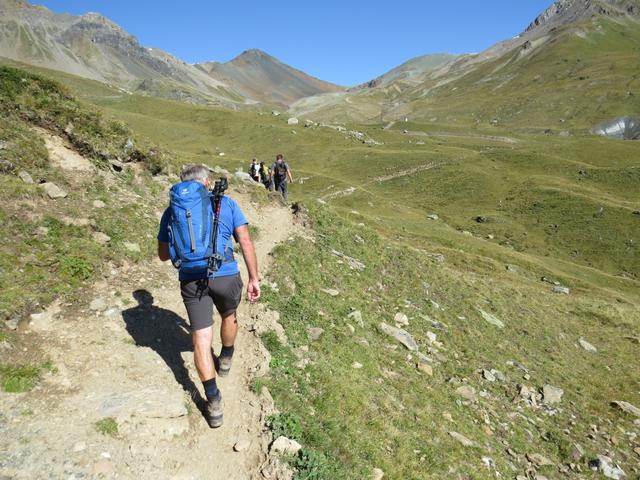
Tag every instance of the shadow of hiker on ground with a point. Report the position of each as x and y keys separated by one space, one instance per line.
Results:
x=167 y=334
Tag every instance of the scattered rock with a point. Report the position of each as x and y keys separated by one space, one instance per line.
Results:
x=425 y=368
x=12 y=323
x=79 y=447
x=53 y=191
x=492 y=319
x=488 y=375
x=314 y=333
x=539 y=460
x=467 y=392
x=293 y=121
x=356 y=316
x=353 y=263
x=275 y=113
x=357 y=365
x=241 y=445
x=98 y=304
x=481 y=219
x=577 y=452
x=25 y=177
x=400 y=335
x=511 y=268
x=132 y=247
x=330 y=291
x=376 y=474
x=433 y=216
x=99 y=204
x=462 y=439
x=627 y=407
x=551 y=394
x=587 y=346
x=101 y=238
x=42 y=321
x=285 y=446
x=561 y=290
x=605 y=465
x=401 y=319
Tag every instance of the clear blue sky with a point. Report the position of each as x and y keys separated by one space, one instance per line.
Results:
x=345 y=42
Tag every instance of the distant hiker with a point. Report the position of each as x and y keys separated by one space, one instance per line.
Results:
x=254 y=170
x=264 y=176
x=280 y=173
x=208 y=272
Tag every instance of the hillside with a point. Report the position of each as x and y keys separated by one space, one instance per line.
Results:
x=572 y=47
x=263 y=78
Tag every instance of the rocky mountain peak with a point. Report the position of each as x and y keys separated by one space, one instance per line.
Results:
x=563 y=12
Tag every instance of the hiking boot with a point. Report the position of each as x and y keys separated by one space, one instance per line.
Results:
x=224 y=365
x=214 y=411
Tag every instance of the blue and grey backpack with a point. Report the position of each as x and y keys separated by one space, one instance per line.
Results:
x=191 y=224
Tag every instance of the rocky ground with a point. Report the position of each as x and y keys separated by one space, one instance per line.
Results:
x=122 y=398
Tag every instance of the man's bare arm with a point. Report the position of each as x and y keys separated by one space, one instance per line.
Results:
x=243 y=238
x=289 y=175
x=163 y=251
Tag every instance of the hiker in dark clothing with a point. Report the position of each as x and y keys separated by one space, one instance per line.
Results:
x=254 y=170
x=281 y=175
x=264 y=176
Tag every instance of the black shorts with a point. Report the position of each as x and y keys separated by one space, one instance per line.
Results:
x=199 y=296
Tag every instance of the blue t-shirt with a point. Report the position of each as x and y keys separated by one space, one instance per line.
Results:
x=231 y=217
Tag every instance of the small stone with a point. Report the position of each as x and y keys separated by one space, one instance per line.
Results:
x=400 y=335
x=577 y=452
x=102 y=468
x=53 y=191
x=132 y=247
x=99 y=204
x=587 y=346
x=511 y=268
x=330 y=291
x=101 y=238
x=293 y=121
x=561 y=290
x=467 y=392
x=285 y=446
x=314 y=333
x=551 y=394
x=488 y=375
x=401 y=319
x=539 y=460
x=376 y=474
x=98 y=304
x=462 y=439
x=627 y=407
x=241 y=445
x=356 y=316
x=25 y=177
x=492 y=319
x=12 y=323
x=605 y=465
x=79 y=447
x=425 y=368
x=447 y=416
x=357 y=365
x=433 y=216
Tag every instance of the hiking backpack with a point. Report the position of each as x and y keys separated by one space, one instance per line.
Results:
x=280 y=170
x=191 y=224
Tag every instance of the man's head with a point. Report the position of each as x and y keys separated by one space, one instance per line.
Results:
x=279 y=158
x=254 y=160
x=195 y=173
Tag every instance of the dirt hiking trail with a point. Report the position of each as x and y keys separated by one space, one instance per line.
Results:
x=130 y=359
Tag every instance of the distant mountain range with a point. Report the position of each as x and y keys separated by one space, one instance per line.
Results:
x=92 y=46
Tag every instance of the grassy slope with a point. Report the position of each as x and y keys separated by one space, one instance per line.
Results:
x=523 y=188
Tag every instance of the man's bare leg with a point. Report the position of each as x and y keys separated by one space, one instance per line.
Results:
x=203 y=359
x=228 y=332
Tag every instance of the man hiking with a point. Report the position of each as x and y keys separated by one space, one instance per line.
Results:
x=254 y=170
x=196 y=234
x=280 y=172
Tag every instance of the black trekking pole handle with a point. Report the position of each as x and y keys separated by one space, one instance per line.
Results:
x=215 y=258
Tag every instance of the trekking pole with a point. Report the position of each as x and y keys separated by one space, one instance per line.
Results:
x=218 y=192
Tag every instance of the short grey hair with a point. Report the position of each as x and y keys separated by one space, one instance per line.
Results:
x=198 y=173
